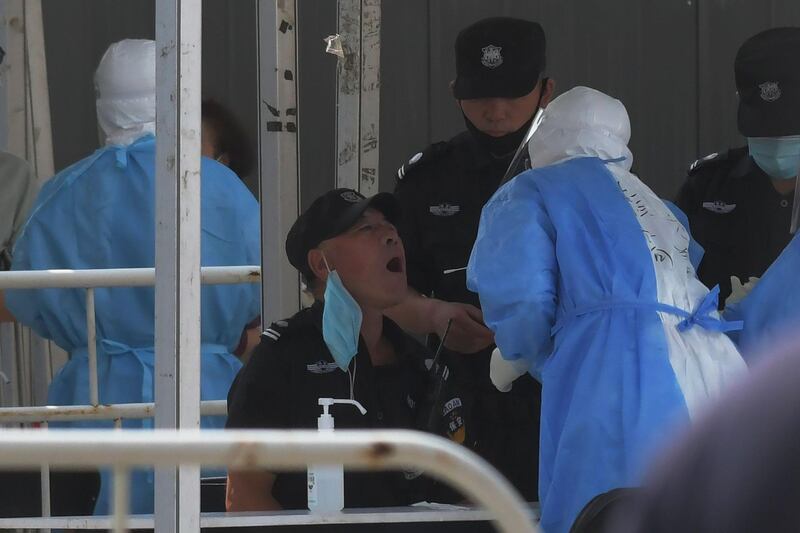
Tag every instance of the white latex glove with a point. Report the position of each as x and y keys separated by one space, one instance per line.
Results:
x=503 y=372
x=739 y=291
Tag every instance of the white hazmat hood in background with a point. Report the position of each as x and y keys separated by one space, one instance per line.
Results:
x=125 y=82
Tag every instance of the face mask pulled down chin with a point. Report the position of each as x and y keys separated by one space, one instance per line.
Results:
x=778 y=157
x=499 y=146
x=341 y=321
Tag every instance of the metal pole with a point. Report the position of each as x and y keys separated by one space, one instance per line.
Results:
x=348 y=95
x=91 y=344
x=279 y=179
x=118 y=277
x=370 y=112
x=121 y=496
x=177 y=379
x=68 y=413
x=44 y=476
x=40 y=150
x=14 y=77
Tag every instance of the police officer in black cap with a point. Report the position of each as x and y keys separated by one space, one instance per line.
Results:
x=739 y=203
x=348 y=251
x=498 y=87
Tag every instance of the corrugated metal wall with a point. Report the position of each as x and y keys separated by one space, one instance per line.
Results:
x=669 y=61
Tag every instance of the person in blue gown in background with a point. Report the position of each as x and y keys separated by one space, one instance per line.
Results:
x=100 y=213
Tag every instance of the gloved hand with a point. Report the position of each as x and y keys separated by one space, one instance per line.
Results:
x=739 y=291
x=503 y=372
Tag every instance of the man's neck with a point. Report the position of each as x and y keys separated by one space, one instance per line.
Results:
x=379 y=348
x=784 y=187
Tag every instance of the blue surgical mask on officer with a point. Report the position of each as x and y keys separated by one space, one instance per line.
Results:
x=341 y=320
x=779 y=157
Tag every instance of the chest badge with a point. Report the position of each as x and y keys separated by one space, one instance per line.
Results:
x=719 y=207
x=322 y=367
x=444 y=210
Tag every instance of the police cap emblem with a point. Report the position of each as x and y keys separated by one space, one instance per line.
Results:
x=492 y=58
x=351 y=196
x=770 y=91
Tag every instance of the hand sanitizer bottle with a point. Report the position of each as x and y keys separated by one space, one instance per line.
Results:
x=326 y=482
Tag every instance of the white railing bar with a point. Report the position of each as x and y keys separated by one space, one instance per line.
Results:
x=276 y=449
x=278 y=518
x=74 y=522
x=91 y=345
x=392 y=515
x=121 y=495
x=119 y=277
x=67 y=413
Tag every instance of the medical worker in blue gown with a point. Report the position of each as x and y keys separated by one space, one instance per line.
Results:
x=99 y=213
x=585 y=273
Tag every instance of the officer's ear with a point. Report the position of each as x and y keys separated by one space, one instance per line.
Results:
x=548 y=90
x=316 y=262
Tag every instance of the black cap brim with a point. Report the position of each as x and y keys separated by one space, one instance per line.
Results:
x=780 y=118
x=467 y=88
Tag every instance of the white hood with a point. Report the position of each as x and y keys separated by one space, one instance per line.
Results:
x=582 y=122
x=125 y=82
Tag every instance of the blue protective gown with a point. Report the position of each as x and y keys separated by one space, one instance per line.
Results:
x=772 y=308
x=566 y=280
x=100 y=213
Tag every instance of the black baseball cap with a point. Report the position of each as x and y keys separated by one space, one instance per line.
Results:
x=330 y=215
x=767 y=70
x=499 y=57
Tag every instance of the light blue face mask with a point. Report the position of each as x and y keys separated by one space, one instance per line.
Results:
x=341 y=321
x=779 y=157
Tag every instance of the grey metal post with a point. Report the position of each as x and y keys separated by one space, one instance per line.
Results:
x=278 y=169
x=358 y=95
x=177 y=379
x=348 y=95
x=370 y=96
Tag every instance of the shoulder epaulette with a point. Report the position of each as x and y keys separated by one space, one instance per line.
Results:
x=419 y=159
x=709 y=161
x=275 y=330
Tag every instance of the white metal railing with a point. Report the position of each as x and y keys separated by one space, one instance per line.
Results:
x=271 y=449
x=89 y=280
x=116 y=412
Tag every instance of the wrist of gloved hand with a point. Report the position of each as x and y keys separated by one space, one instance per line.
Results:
x=503 y=372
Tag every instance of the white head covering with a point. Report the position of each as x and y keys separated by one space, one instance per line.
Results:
x=582 y=122
x=125 y=82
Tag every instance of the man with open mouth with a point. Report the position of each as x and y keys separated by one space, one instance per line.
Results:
x=348 y=252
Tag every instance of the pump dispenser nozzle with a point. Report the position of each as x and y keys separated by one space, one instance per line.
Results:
x=325 y=420
x=327 y=402
x=326 y=482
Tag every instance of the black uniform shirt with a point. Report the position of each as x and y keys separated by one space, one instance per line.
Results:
x=292 y=368
x=441 y=192
x=738 y=217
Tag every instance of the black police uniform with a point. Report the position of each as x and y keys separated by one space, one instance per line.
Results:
x=441 y=192
x=292 y=368
x=734 y=211
x=738 y=217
